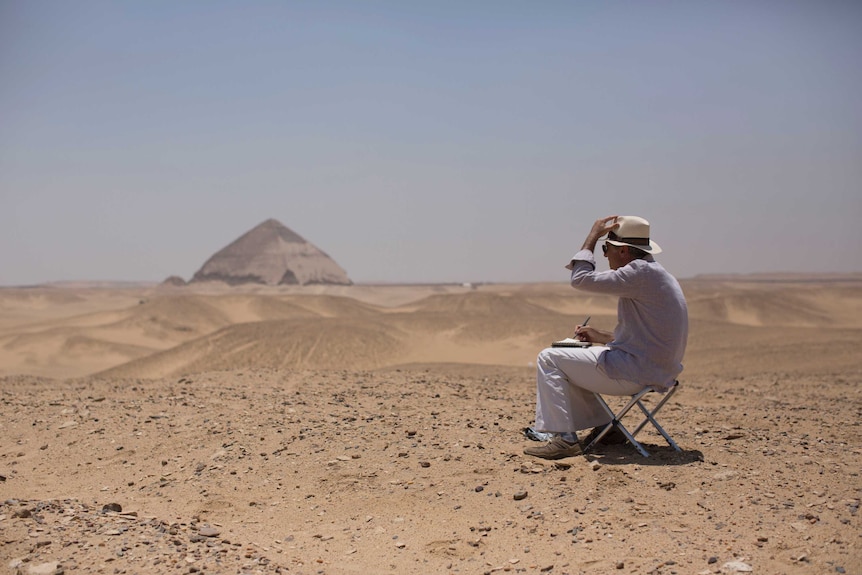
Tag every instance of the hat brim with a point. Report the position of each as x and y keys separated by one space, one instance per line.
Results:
x=652 y=248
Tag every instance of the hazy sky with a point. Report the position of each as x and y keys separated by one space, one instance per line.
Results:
x=428 y=141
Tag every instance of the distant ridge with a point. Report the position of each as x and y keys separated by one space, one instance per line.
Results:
x=794 y=277
x=271 y=254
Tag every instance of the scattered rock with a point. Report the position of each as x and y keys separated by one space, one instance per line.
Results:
x=725 y=475
x=209 y=531
x=49 y=568
x=736 y=567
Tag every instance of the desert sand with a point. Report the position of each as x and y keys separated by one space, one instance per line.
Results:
x=378 y=429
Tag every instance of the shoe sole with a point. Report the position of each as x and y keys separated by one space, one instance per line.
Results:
x=554 y=456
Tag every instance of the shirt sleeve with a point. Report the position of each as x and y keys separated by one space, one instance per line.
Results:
x=623 y=282
x=582 y=256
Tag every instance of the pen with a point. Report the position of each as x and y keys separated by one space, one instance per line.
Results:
x=583 y=324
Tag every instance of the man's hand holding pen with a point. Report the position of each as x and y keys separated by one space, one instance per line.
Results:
x=586 y=333
x=582 y=331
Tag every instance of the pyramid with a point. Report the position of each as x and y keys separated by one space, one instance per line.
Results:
x=271 y=254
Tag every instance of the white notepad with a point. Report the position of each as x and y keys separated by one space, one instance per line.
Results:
x=571 y=342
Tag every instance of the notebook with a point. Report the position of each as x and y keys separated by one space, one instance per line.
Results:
x=571 y=342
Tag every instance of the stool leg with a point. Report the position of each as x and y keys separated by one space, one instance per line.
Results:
x=650 y=417
x=616 y=421
x=633 y=441
x=607 y=427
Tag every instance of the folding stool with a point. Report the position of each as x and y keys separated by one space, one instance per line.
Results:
x=636 y=399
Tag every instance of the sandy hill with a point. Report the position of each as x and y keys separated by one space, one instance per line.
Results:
x=165 y=332
x=271 y=254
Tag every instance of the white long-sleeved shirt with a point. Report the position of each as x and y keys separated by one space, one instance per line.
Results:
x=652 y=319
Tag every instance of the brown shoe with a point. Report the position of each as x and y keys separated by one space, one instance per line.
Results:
x=557 y=448
x=612 y=437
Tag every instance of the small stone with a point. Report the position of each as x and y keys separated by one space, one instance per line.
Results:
x=736 y=567
x=621 y=565
x=712 y=560
x=49 y=568
x=115 y=507
x=594 y=465
x=424 y=464
x=208 y=531
x=725 y=475
x=479 y=489
x=519 y=495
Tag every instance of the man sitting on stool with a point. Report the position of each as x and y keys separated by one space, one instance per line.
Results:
x=645 y=349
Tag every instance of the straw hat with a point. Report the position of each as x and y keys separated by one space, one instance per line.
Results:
x=634 y=232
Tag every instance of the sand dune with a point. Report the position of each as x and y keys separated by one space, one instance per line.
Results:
x=172 y=332
x=324 y=343
x=776 y=304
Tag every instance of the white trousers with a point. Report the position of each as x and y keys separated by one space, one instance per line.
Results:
x=565 y=381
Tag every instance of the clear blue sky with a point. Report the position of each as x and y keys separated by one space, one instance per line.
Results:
x=428 y=141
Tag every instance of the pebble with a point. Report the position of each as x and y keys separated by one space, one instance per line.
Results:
x=724 y=475
x=209 y=531
x=736 y=567
x=519 y=495
x=49 y=568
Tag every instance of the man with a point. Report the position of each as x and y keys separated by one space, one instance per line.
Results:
x=644 y=350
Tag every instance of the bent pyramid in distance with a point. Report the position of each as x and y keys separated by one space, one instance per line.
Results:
x=271 y=254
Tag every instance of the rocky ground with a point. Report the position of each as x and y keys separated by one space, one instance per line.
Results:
x=419 y=471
